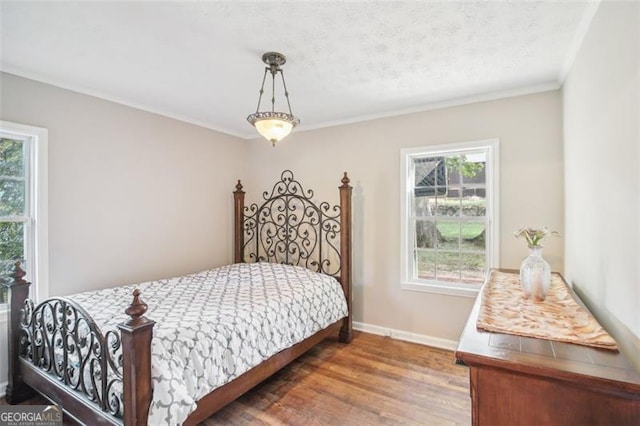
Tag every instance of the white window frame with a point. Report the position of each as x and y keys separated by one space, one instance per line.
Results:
x=407 y=235
x=37 y=238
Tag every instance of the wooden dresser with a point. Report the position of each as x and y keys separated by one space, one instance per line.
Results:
x=527 y=381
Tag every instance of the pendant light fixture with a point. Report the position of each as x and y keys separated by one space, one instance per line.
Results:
x=273 y=125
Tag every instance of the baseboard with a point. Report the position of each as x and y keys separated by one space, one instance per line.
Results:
x=3 y=389
x=407 y=336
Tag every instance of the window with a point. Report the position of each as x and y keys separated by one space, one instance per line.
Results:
x=23 y=205
x=449 y=232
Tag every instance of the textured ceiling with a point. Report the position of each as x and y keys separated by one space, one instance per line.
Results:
x=200 y=61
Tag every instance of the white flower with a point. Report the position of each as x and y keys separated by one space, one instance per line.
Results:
x=534 y=236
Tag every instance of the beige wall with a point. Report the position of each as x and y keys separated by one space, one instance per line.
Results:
x=132 y=195
x=602 y=172
x=531 y=193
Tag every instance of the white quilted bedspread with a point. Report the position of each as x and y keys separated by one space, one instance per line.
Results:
x=214 y=325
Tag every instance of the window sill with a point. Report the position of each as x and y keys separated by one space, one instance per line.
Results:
x=461 y=290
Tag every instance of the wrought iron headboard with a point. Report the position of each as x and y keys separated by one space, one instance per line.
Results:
x=290 y=227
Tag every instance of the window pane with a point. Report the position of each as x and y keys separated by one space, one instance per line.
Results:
x=6 y=268
x=427 y=234
x=473 y=267
x=475 y=205
x=430 y=176
x=12 y=197
x=11 y=250
x=11 y=241
x=449 y=234
x=422 y=206
x=11 y=158
x=448 y=268
x=426 y=264
x=3 y=291
x=466 y=168
x=449 y=205
x=473 y=236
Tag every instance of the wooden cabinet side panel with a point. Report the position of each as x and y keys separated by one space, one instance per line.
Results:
x=473 y=390
x=501 y=397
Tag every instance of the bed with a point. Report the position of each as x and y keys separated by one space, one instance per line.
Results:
x=291 y=274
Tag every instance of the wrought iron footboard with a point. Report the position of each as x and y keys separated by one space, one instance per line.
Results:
x=60 y=338
x=57 y=349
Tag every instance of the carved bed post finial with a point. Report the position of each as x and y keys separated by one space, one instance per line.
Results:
x=345 y=181
x=346 y=331
x=136 y=309
x=136 y=337
x=238 y=223
x=18 y=273
x=17 y=390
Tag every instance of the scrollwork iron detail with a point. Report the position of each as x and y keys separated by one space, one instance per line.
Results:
x=289 y=227
x=60 y=338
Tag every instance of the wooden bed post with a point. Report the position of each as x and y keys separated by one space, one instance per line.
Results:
x=238 y=222
x=17 y=390
x=136 y=366
x=346 y=331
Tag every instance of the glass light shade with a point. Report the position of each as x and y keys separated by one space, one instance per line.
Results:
x=274 y=126
x=274 y=129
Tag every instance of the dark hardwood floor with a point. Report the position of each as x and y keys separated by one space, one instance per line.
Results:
x=372 y=381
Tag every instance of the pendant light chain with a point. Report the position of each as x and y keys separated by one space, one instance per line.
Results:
x=273 y=90
x=286 y=92
x=264 y=78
